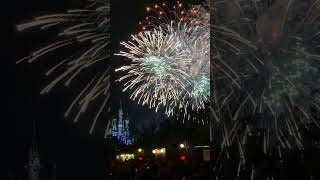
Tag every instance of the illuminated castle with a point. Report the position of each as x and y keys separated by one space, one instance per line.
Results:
x=120 y=128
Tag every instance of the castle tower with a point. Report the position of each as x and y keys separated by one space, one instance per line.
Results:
x=120 y=122
x=127 y=125
x=34 y=157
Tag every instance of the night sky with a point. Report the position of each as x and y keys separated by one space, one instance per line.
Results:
x=77 y=154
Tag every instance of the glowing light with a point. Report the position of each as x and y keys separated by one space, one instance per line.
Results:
x=159 y=151
x=183 y=157
x=139 y=150
x=182 y=146
x=125 y=157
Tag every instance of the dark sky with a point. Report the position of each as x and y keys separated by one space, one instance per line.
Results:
x=77 y=154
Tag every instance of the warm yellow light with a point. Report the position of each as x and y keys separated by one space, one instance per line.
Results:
x=139 y=150
x=159 y=151
x=124 y=157
x=182 y=145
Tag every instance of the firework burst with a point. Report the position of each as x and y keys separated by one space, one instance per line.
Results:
x=280 y=73
x=170 y=63
x=269 y=82
x=87 y=30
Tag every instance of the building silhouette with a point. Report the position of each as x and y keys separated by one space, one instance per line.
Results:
x=34 y=168
x=34 y=165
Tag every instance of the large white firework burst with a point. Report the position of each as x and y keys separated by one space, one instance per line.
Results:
x=170 y=65
x=86 y=30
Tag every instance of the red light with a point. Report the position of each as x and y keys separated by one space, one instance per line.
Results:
x=140 y=158
x=182 y=157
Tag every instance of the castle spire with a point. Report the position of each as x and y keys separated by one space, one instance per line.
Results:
x=120 y=109
x=54 y=170
x=34 y=157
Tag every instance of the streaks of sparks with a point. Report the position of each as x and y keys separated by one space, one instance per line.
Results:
x=87 y=30
x=268 y=54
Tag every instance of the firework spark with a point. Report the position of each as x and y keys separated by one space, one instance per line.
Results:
x=170 y=63
x=86 y=29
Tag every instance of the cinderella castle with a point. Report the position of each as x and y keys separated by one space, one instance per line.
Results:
x=120 y=127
